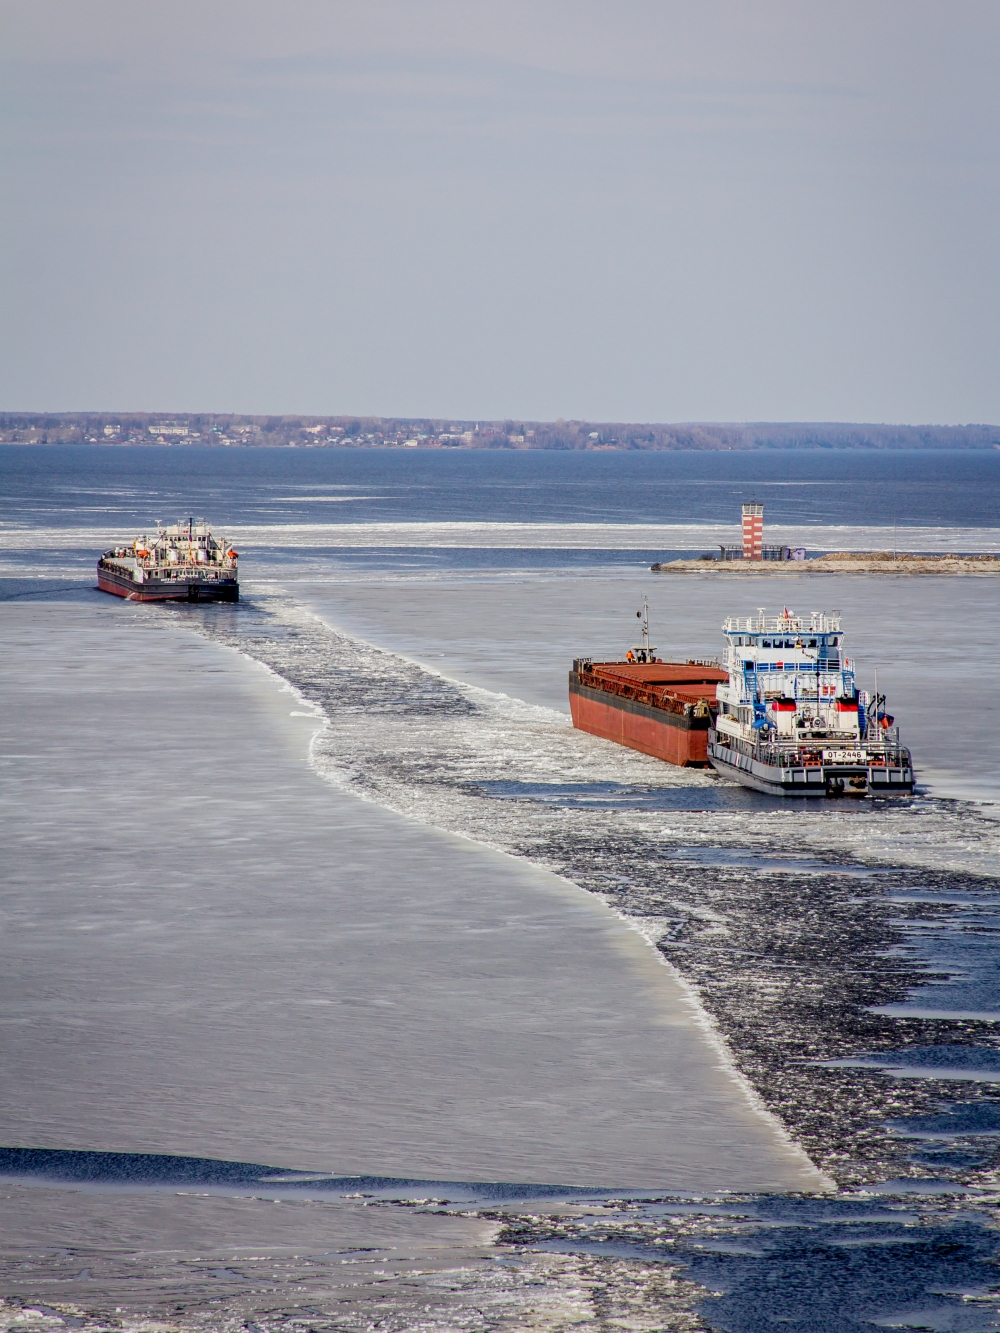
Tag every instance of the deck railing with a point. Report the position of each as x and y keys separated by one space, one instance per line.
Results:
x=817 y=623
x=794 y=756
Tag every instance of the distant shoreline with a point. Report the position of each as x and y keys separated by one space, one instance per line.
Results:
x=235 y=430
x=841 y=562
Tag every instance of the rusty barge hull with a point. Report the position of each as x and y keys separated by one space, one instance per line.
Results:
x=650 y=708
x=167 y=590
x=677 y=740
x=184 y=562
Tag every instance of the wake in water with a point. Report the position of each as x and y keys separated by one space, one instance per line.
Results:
x=798 y=928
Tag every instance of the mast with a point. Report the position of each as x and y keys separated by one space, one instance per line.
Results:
x=645 y=651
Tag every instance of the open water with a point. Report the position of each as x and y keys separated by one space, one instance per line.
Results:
x=423 y=609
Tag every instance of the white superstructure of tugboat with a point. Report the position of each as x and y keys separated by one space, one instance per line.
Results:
x=791 y=721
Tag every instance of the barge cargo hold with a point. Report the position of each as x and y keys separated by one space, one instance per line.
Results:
x=182 y=563
x=661 y=708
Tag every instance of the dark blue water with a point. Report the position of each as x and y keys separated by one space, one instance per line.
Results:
x=816 y=1266
x=617 y=796
x=956 y=940
x=154 y=1171
x=78 y=485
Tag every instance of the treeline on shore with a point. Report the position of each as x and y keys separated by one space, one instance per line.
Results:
x=228 y=429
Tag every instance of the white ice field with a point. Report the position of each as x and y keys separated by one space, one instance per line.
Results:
x=212 y=951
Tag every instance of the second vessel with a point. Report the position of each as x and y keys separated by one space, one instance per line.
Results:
x=183 y=562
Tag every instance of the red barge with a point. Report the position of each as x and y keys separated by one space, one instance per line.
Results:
x=664 y=709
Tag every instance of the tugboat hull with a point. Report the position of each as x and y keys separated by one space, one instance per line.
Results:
x=808 y=780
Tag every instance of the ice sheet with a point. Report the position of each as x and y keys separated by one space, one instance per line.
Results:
x=211 y=951
x=248 y=1256
x=564 y=536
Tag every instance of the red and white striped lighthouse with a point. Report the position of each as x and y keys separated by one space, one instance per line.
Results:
x=753 y=531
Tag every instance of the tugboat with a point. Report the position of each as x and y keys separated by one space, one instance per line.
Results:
x=790 y=720
x=183 y=562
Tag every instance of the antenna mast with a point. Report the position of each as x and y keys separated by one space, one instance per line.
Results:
x=643 y=652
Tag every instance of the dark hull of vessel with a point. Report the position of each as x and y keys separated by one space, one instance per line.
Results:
x=669 y=736
x=167 y=590
x=807 y=780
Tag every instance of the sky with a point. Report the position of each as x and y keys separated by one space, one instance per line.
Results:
x=639 y=211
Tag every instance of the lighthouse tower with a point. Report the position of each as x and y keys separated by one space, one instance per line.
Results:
x=753 y=531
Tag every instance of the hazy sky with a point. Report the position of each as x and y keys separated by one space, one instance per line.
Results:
x=640 y=210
